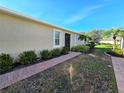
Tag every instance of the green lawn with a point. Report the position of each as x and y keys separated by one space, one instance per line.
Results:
x=94 y=72
x=104 y=47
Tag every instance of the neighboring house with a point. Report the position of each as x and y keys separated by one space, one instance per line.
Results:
x=111 y=41
x=107 y=41
x=20 y=33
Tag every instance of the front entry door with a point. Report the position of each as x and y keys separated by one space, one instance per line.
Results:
x=67 y=40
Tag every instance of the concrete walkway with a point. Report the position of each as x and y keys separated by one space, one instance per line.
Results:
x=118 y=64
x=17 y=75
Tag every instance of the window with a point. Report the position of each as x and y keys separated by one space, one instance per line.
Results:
x=57 y=38
x=76 y=39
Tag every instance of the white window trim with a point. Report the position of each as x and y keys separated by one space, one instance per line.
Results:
x=75 y=39
x=57 y=46
x=76 y=36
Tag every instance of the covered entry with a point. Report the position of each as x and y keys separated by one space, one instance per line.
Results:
x=67 y=40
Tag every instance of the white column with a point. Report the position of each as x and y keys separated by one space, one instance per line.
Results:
x=122 y=43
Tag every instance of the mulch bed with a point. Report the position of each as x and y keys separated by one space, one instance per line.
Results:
x=114 y=54
x=94 y=74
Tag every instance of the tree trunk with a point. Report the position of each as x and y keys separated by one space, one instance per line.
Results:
x=114 y=45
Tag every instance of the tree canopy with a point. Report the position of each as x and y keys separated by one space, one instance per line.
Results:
x=96 y=35
x=113 y=33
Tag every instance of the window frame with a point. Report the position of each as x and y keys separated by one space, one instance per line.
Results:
x=54 y=38
x=76 y=36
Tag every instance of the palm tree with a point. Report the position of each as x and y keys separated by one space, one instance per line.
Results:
x=82 y=37
x=85 y=38
x=121 y=34
x=114 y=33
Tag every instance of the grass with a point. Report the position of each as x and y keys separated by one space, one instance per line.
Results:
x=108 y=48
x=104 y=47
x=92 y=74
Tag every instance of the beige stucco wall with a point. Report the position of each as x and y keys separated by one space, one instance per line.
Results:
x=19 y=34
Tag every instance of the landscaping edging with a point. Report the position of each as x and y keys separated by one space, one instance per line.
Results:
x=107 y=54
x=118 y=65
x=17 y=75
x=118 y=74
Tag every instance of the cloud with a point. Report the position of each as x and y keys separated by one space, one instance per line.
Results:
x=83 y=13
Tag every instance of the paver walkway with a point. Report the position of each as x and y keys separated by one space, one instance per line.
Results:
x=17 y=75
x=118 y=64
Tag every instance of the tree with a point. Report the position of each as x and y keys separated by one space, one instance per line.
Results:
x=121 y=33
x=86 y=38
x=96 y=35
x=82 y=37
x=107 y=34
x=114 y=33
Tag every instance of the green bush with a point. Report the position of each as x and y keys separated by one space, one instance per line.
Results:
x=6 y=63
x=27 y=57
x=56 y=52
x=119 y=51
x=86 y=49
x=46 y=54
x=74 y=48
x=65 y=50
x=80 y=48
x=91 y=45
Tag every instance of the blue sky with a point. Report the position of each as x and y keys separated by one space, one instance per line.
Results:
x=77 y=15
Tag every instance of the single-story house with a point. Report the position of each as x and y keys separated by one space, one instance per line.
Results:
x=20 y=33
x=111 y=41
x=107 y=41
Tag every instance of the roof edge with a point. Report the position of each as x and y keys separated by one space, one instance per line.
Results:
x=12 y=12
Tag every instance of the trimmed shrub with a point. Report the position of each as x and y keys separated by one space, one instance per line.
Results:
x=119 y=51
x=6 y=63
x=80 y=48
x=46 y=54
x=65 y=50
x=75 y=49
x=86 y=49
x=91 y=45
x=27 y=57
x=56 y=52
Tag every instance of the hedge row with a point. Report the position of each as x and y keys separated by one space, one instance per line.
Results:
x=6 y=63
x=48 y=54
x=29 y=57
